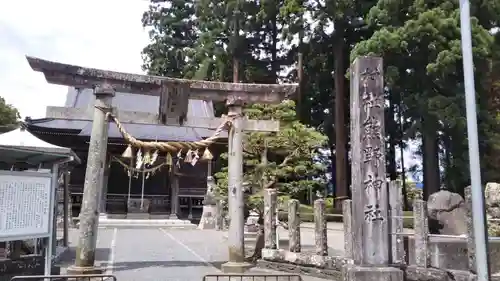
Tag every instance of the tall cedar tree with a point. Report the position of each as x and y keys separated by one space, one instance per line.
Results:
x=420 y=44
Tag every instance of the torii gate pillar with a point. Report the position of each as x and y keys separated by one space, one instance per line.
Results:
x=89 y=214
x=236 y=201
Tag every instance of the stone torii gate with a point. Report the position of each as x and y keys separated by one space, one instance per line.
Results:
x=174 y=95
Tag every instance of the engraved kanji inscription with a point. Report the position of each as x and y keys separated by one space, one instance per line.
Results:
x=370 y=100
x=372 y=183
x=373 y=213
x=371 y=73
x=373 y=155
x=372 y=129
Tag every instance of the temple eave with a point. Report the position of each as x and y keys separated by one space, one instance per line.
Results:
x=82 y=128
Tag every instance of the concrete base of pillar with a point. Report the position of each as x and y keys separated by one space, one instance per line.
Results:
x=236 y=267
x=77 y=270
x=360 y=273
x=173 y=217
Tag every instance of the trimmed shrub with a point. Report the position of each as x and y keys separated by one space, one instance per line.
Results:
x=307 y=215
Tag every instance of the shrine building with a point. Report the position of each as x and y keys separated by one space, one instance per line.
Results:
x=157 y=187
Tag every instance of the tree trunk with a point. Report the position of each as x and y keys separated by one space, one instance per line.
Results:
x=259 y=245
x=340 y=127
x=401 y=120
x=430 y=158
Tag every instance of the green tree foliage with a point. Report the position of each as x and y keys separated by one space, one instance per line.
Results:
x=285 y=160
x=421 y=47
x=172 y=33
x=9 y=116
x=490 y=127
x=418 y=40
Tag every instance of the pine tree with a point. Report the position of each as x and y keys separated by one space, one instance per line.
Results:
x=286 y=160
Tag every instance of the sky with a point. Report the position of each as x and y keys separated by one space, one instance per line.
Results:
x=101 y=34
x=95 y=33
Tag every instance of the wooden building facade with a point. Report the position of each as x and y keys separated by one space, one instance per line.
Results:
x=169 y=192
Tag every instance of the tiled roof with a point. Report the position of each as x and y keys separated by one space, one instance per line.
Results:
x=128 y=102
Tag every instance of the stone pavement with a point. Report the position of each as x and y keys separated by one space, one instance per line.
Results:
x=162 y=254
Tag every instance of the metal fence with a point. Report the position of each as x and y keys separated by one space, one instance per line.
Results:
x=86 y=277
x=252 y=277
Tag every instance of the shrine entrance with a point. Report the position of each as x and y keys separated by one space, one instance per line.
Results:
x=149 y=186
x=158 y=189
x=151 y=189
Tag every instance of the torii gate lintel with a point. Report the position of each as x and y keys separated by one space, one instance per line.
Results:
x=85 y=77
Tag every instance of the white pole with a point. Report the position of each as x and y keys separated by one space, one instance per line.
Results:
x=479 y=221
x=48 y=257
x=50 y=240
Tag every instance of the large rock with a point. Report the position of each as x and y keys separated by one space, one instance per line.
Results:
x=492 y=204
x=451 y=253
x=449 y=210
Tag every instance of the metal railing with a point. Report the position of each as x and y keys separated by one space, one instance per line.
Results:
x=252 y=277
x=85 y=277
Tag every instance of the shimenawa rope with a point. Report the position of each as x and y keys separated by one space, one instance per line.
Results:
x=171 y=146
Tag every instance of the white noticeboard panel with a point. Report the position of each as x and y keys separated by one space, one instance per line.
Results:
x=26 y=203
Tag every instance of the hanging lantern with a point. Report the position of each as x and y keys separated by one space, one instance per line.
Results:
x=207 y=155
x=128 y=152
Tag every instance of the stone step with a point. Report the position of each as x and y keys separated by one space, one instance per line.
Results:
x=247 y=235
x=145 y=223
x=147 y=226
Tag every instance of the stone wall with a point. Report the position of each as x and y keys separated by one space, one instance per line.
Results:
x=492 y=202
x=421 y=255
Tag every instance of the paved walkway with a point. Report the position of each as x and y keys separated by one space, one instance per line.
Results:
x=160 y=254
